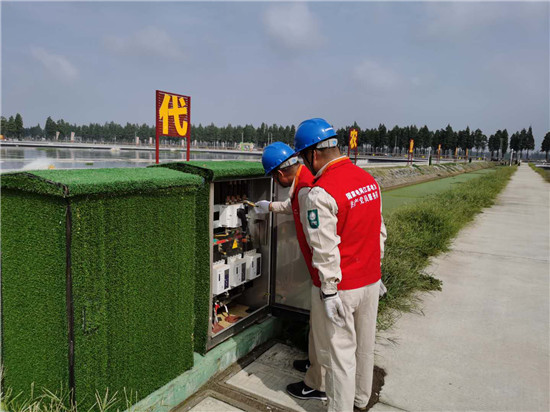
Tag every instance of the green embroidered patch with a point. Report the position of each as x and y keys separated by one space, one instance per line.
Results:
x=313 y=218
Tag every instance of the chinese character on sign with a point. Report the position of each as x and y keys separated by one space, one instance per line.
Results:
x=353 y=142
x=173 y=114
x=353 y=139
x=173 y=118
x=179 y=108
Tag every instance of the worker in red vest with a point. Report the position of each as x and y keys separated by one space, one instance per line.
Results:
x=344 y=231
x=279 y=161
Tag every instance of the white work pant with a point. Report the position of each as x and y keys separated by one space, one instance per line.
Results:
x=315 y=375
x=347 y=353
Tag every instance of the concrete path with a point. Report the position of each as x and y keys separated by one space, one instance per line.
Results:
x=483 y=342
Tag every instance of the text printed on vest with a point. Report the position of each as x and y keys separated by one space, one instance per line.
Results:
x=362 y=195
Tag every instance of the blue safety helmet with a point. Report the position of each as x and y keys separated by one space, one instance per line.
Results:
x=310 y=132
x=275 y=154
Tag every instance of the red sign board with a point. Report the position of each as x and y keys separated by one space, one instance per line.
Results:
x=173 y=117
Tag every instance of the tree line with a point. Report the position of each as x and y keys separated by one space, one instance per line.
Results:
x=377 y=140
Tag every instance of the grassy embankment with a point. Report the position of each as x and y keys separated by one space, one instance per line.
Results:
x=543 y=172
x=418 y=231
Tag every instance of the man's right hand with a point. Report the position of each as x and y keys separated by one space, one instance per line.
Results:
x=262 y=206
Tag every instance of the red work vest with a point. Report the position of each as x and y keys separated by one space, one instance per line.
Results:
x=304 y=178
x=358 y=198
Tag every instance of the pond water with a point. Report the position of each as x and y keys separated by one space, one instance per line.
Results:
x=32 y=158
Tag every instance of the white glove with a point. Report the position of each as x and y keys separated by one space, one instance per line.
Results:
x=383 y=289
x=335 y=309
x=262 y=206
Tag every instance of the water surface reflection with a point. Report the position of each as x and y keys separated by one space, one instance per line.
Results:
x=27 y=158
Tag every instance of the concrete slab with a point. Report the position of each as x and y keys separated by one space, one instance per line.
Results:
x=268 y=376
x=382 y=407
x=211 y=404
x=483 y=342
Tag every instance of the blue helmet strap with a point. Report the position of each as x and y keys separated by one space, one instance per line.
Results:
x=306 y=159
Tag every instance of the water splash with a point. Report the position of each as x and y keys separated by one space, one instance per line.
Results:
x=40 y=164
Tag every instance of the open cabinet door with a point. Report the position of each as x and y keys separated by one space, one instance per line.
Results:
x=291 y=283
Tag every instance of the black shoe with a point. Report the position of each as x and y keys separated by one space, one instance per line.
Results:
x=301 y=365
x=301 y=391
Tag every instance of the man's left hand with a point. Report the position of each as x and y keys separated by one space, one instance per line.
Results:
x=335 y=309
x=262 y=206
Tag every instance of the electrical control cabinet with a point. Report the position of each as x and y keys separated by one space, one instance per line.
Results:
x=256 y=266
x=241 y=247
x=253 y=260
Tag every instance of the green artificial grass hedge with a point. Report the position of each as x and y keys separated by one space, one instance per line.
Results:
x=132 y=266
x=210 y=171
x=219 y=170
x=95 y=181
x=134 y=283
x=34 y=338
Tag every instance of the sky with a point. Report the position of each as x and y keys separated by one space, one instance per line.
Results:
x=478 y=64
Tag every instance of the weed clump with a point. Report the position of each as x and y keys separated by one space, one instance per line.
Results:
x=545 y=173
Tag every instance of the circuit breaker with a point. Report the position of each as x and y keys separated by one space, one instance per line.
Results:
x=220 y=277
x=226 y=215
x=237 y=270
x=253 y=264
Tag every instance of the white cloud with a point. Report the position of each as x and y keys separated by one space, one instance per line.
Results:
x=459 y=19
x=56 y=64
x=293 y=26
x=150 y=41
x=376 y=78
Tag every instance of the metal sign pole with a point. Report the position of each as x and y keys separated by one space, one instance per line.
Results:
x=157 y=131
x=157 y=148
x=157 y=127
x=189 y=132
